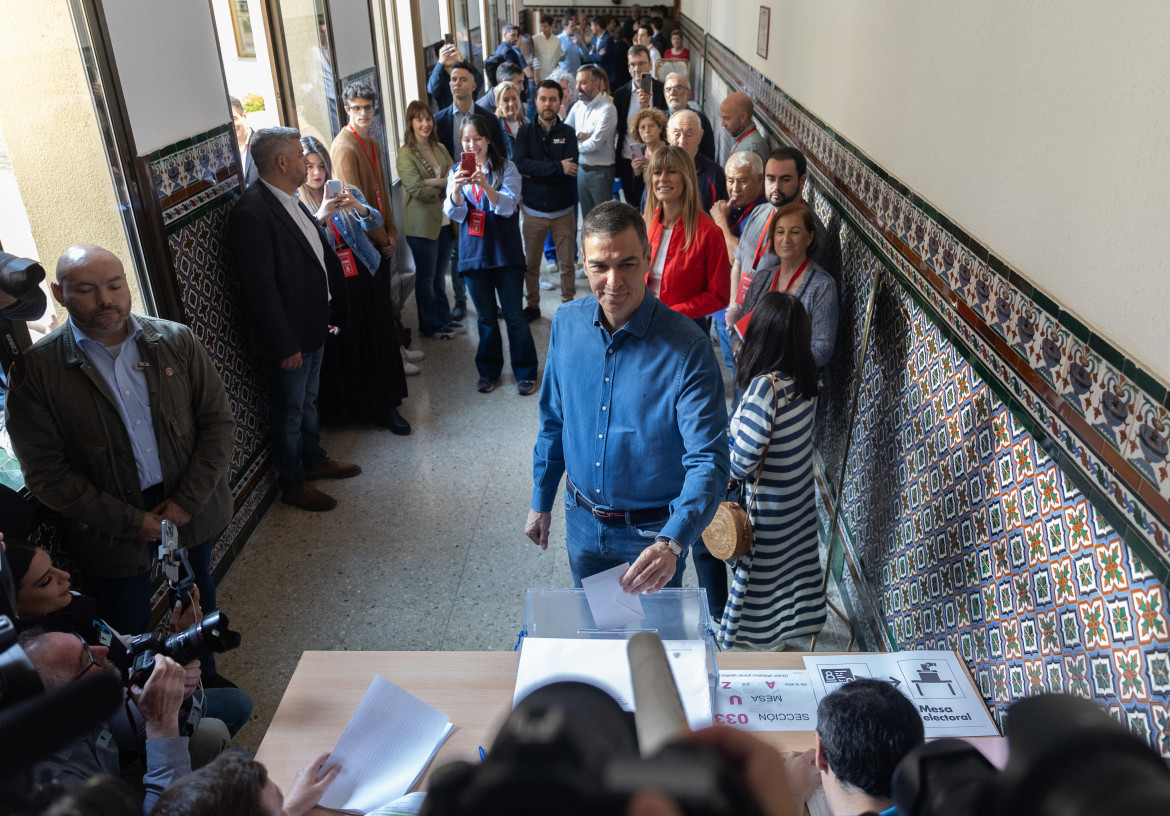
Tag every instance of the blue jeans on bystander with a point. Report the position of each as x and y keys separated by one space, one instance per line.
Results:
x=292 y=418
x=430 y=283
x=508 y=282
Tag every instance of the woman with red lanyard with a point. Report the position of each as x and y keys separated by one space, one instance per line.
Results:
x=792 y=237
x=689 y=269
x=362 y=376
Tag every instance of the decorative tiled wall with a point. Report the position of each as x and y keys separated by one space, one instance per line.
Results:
x=1006 y=480
x=197 y=183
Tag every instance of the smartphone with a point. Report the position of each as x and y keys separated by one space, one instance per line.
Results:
x=448 y=39
x=333 y=188
x=467 y=163
x=647 y=81
x=637 y=149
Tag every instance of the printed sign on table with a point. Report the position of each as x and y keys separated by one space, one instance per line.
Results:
x=933 y=680
x=766 y=700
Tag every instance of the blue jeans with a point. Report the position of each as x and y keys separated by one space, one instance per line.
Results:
x=594 y=186
x=712 y=575
x=430 y=284
x=508 y=281
x=724 y=340
x=458 y=282
x=232 y=706
x=292 y=418
x=595 y=547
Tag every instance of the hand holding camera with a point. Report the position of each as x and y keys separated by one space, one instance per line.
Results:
x=160 y=698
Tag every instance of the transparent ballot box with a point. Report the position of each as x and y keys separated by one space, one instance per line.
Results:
x=561 y=641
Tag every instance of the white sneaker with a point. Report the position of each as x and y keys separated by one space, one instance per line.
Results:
x=547 y=285
x=410 y=369
x=550 y=266
x=580 y=271
x=412 y=355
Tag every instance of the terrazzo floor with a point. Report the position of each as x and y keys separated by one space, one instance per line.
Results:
x=425 y=550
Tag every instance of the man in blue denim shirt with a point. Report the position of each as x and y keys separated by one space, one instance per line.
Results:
x=632 y=409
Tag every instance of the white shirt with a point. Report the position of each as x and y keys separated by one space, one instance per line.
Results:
x=635 y=106
x=598 y=118
x=292 y=204
x=547 y=52
x=656 y=267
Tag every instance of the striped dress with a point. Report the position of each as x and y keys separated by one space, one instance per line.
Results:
x=776 y=588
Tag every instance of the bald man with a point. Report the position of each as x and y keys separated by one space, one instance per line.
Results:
x=122 y=421
x=735 y=115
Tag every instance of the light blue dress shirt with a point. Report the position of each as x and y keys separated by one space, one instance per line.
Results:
x=123 y=374
x=637 y=418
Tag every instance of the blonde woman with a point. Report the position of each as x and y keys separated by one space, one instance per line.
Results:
x=510 y=112
x=423 y=164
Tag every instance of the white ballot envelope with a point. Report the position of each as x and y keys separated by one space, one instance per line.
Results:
x=611 y=605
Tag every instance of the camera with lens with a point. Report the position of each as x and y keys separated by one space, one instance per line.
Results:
x=20 y=277
x=212 y=635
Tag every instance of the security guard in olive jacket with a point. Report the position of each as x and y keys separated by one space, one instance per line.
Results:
x=122 y=421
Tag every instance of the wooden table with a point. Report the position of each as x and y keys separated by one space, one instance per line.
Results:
x=474 y=689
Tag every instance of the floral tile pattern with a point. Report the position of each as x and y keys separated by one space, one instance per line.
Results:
x=995 y=441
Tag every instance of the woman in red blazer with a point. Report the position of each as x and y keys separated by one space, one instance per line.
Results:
x=689 y=269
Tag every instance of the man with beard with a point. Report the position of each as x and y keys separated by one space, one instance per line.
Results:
x=784 y=178
x=149 y=728
x=545 y=153
x=122 y=421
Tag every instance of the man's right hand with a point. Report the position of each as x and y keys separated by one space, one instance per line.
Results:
x=306 y=789
x=537 y=526
x=151 y=529
x=292 y=363
x=719 y=212
x=448 y=55
x=160 y=698
x=569 y=166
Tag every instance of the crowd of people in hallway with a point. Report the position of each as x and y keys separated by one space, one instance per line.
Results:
x=560 y=156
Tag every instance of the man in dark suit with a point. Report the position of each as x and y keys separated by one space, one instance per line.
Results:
x=439 y=82
x=509 y=49
x=602 y=50
x=291 y=281
x=629 y=98
x=243 y=141
x=448 y=120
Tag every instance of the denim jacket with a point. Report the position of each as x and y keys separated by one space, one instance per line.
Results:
x=348 y=223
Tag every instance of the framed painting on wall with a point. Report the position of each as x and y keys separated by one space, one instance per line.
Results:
x=762 y=36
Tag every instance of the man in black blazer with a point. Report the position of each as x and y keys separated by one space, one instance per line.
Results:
x=463 y=104
x=629 y=98
x=292 y=281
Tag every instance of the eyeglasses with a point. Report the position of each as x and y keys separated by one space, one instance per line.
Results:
x=89 y=653
x=361 y=108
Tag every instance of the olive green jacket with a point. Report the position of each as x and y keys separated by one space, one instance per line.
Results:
x=423 y=205
x=76 y=456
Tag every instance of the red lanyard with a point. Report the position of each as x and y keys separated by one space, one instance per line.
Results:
x=763 y=237
x=735 y=147
x=794 y=280
x=340 y=241
x=743 y=215
x=372 y=155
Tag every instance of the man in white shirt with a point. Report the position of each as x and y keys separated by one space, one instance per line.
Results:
x=642 y=37
x=546 y=48
x=594 y=120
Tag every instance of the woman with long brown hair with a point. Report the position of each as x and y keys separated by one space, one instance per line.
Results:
x=689 y=268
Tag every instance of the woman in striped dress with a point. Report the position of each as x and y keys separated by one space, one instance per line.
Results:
x=776 y=588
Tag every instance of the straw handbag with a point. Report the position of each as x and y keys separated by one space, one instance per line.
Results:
x=729 y=535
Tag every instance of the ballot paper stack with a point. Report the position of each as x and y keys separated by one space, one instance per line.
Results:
x=389 y=742
x=581 y=634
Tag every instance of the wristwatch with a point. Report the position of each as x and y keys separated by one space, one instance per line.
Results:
x=671 y=544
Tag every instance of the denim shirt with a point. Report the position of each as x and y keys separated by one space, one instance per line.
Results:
x=637 y=418
x=347 y=223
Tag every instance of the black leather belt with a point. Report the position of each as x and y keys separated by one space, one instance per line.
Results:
x=616 y=518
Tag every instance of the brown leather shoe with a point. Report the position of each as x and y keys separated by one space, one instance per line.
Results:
x=308 y=497
x=332 y=469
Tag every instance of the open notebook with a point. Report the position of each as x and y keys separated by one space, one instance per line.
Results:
x=389 y=742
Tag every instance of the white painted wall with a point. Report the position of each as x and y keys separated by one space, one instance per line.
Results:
x=169 y=68
x=1041 y=128
x=353 y=43
x=429 y=17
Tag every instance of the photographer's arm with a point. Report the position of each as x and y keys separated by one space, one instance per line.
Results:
x=167 y=754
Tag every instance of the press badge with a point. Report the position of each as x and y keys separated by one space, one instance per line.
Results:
x=558 y=141
x=475 y=221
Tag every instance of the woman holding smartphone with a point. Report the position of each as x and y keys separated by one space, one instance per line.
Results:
x=362 y=375
x=483 y=194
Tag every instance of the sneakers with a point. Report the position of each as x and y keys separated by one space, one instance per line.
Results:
x=459 y=311
x=455 y=327
x=412 y=355
x=526 y=387
x=546 y=284
x=332 y=469
x=307 y=497
x=486 y=385
x=580 y=272
x=531 y=313
x=549 y=265
x=410 y=369
x=442 y=334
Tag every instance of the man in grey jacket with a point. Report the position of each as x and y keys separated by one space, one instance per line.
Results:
x=122 y=421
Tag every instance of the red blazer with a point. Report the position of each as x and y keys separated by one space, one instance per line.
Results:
x=695 y=282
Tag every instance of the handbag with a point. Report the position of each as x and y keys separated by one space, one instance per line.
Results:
x=729 y=535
